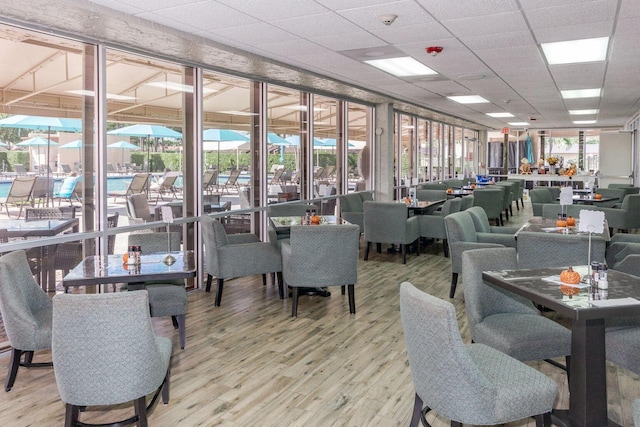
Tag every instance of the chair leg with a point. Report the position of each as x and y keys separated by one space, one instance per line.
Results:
x=543 y=420
x=264 y=279
x=445 y=247
x=366 y=251
x=166 y=386
x=342 y=289
x=417 y=411
x=280 y=284
x=352 y=299
x=140 y=405
x=13 y=369
x=71 y=415
x=379 y=247
x=294 y=302
x=179 y=320
x=219 y=293
x=454 y=283
x=208 y=288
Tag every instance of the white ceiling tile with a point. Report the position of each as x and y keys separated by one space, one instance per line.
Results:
x=581 y=13
x=317 y=25
x=275 y=9
x=453 y=9
x=254 y=33
x=407 y=12
x=207 y=15
x=506 y=39
x=424 y=32
x=338 y=42
x=294 y=47
x=490 y=24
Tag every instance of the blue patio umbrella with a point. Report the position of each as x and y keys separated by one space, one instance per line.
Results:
x=123 y=145
x=148 y=131
x=274 y=139
x=42 y=123
x=37 y=141
x=73 y=144
x=223 y=135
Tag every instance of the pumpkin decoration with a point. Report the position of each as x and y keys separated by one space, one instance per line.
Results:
x=125 y=258
x=571 y=221
x=315 y=219
x=570 y=291
x=570 y=276
x=597 y=196
x=561 y=223
x=473 y=186
x=449 y=190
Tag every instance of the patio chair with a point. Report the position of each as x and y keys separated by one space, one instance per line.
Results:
x=232 y=181
x=467 y=383
x=42 y=191
x=20 y=193
x=277 y=175
x=166 y=186
x=210 y=181
x=138 y=185
x=65 y=168
x=19 y=169
x=67 y=190
x=94 y=366
x=138 y=209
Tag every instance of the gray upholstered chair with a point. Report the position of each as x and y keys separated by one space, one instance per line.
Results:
x=351 y=207
x=466 y=202
x=432 y=226
x=510 y=193
x=615 y=193
x=430 y=195
x=635 y=407
x=503 y=320
x=462 y=236
x=166 y=298
x=320 y=256
x=26 y=313
x=467 y=383
x=138 y=208
x=519 y=191
x=388 y=222
x=491 y=233
x=623 y=253
x=539 y=197
x=627 y=216
x=95 y=366
x=623 y=346
x=557 y=250
x=226 y=256
x=433 y=186
x=492 y=201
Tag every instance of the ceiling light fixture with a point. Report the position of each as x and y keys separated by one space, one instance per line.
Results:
x=519 y=123
x=468 y=99
x=581 y=93
x=434 y=50
x=583 y=112
x=498 y=115
x=401 y=67
x=576 y=51
x=583 y=122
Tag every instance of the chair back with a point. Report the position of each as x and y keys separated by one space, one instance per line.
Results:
x=460 y=227
x=112 y=222
x=21 y=189
x=290 y=209
x=95 y=366
x=443 y=373
x=169 y=180
x=480 y=219
x=65 y=168
x=233 y=177
x=385 y=222
x=277 y=176
x=63 y=212
x=138 y=207
x=557 y=250
x=324 y=255
x=19 y=169
x=351 y=202
x=139 y=183
x=466 y=202
x=25 y=307
x=431 y=195
x=451 y=206
x=156 y=242
x=434 y=186
x=540 y=195
x=491 y=200
x=215 y=237
x=67 y=187
x=209 y=179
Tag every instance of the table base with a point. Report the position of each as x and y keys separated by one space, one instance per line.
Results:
x=560 y=418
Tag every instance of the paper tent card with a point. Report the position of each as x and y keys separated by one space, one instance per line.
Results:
x=566 y=196
x=591 y=221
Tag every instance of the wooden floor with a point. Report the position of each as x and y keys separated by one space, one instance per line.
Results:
x=248 y=363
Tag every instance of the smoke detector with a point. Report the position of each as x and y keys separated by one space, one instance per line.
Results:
x=434 y=50
x=387 y=19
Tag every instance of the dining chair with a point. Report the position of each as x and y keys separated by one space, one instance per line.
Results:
x=237 y=255
x=491 y=233
x=94 y=366
x=492 y=200
x=26 y=314
x=557 y=250
x=20 y=193
x=466 y=202
x=519 y=191
x=351 y=207
x=462 y=236
x=321 y=256
x=539 y=197
x=432 y=226
x=389 y=223
x=466 y=383
x=510 y=193
x=504 y=320
x=166 y=298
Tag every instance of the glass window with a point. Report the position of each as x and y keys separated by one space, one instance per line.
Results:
x=358 y=164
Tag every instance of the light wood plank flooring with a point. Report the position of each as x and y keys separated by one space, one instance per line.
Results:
x=248 y=363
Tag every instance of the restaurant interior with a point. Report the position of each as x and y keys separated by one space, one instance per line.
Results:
x=233 y=207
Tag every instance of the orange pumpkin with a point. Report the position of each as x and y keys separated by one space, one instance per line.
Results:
x=569 y=290
x=473 y=186
x=125 y=258
x=569 y=276
x=571 y=221
x=597 y=196
x=315 y=219
x=449 y=190
x=561 y=223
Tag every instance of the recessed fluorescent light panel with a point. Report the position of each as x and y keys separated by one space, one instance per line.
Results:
x=109 y=95
x=401 y=67
x=468 y=99
x=583 y=122
x=576 y=51
x=583 y=112
x=238 y=113
x=580 y=93
x=178 y=87
x=498 y=115
x=519 y=124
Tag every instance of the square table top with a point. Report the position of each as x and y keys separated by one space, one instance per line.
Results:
x=621 y=298
x=98 y=270
x=284 y=223
x=540 y=224
x=37 y=227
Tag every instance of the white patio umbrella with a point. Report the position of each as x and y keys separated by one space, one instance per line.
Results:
x=123 y=145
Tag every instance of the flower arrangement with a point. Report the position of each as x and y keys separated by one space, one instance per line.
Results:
x=552 y=161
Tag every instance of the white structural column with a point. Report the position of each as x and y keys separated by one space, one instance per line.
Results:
x=383 y=154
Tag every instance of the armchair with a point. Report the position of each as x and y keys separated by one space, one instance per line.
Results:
x=557 y=250
x=540 y=197
x=462 y=236
x=226 y=256
x=467 y=383
x=95 y=366
x=520 y=191
x=491 y=233
x=26 y=312
x=351 y=207
x=492 y=200
x=319 y=256
x=388 y=222
x=432 y=226
x=504 y=320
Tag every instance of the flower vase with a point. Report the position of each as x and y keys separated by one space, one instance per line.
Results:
x=552 y=170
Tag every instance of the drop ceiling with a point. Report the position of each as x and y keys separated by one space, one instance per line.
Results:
x=491 y=48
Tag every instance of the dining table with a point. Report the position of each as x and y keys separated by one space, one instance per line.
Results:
x=588 y=307
x=110 y=269
x=35 y=228
x=589 y=199
x=547 y=225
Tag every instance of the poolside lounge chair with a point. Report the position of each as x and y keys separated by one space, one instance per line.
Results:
x=42 y=191
x=139 y=184
x=66 y=168
x=210 y=181
x=167 y=186
x=19 y=169
x=232 y=181
x=67 y=190
x=20 y=193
